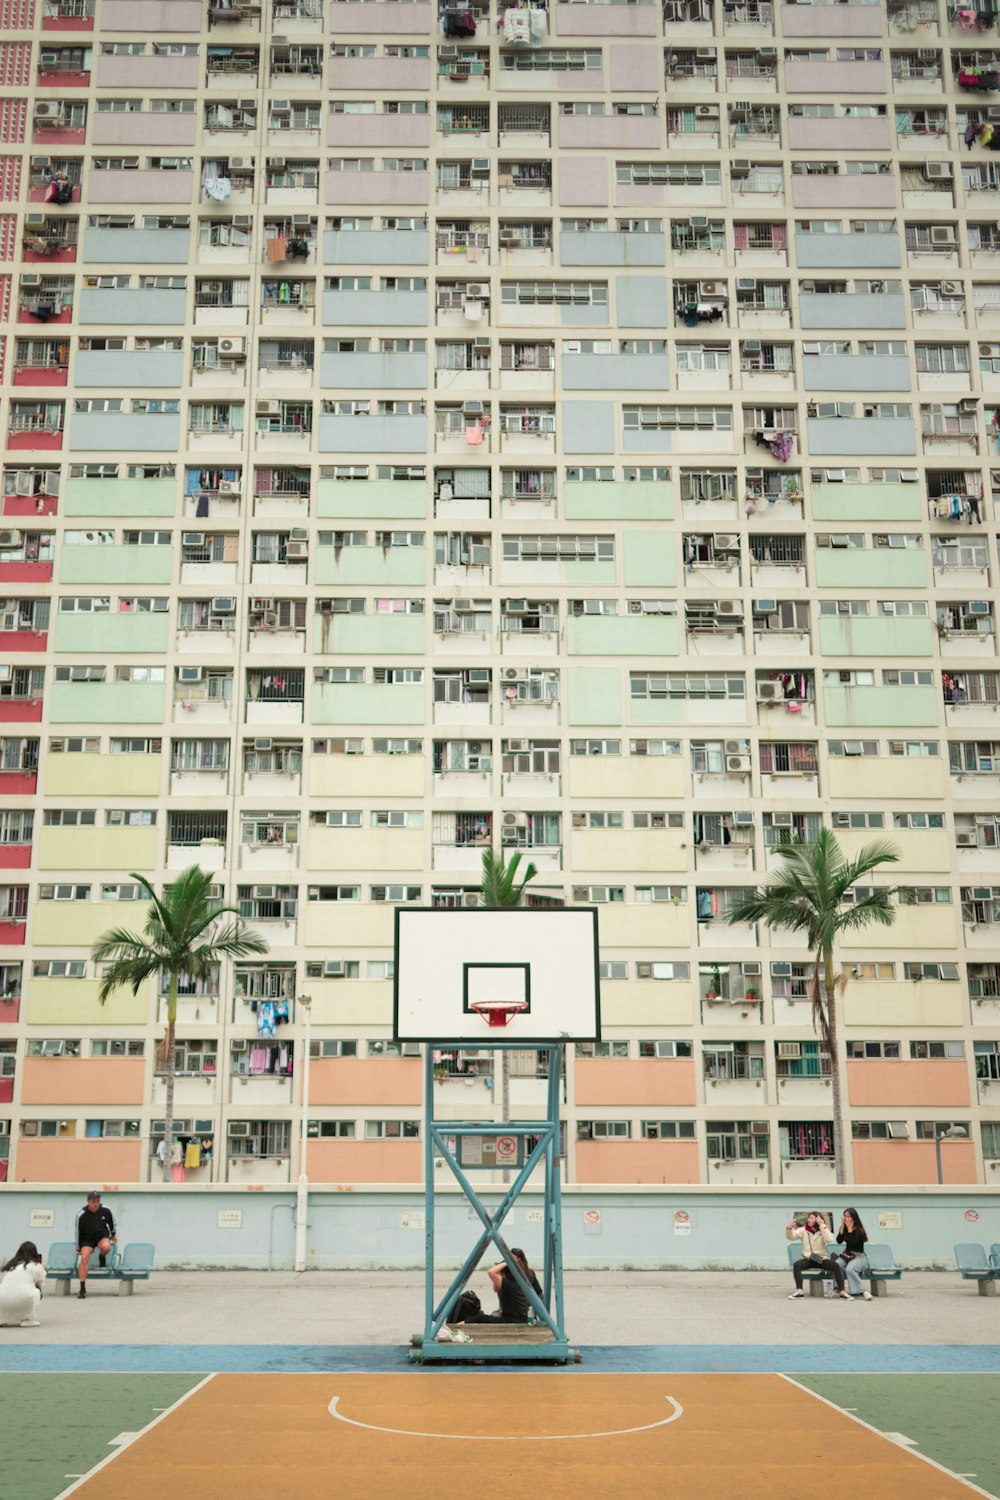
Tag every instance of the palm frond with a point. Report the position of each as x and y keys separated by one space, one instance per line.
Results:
x=498 y=886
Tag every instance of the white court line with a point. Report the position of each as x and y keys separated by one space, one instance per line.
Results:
x=165 y=1412
x=915 y=1452
x=493 y=1437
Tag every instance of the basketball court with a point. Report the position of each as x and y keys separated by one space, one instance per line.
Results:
x=420 y=1434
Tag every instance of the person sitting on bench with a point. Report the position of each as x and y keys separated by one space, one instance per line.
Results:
x=95 y=1230
x=815 y=1234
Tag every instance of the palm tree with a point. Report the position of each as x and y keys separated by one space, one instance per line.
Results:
x=807 y=896
x=180 y=937
x=499 y=888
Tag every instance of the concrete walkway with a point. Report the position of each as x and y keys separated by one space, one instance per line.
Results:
x=603 y=1308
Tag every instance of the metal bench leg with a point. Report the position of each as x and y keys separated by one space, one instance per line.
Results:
x=125 y=1287
x=987 y=1288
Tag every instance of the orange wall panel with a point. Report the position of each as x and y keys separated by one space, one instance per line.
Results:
x=913 y=1161
x=97 y=1081
x=365 y=1161
x=637 y=1161
x=941 y=1082
x=359 y=1080
x=647 y=1080
x=95 y=1162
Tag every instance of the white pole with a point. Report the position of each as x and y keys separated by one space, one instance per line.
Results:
x=302 y=1188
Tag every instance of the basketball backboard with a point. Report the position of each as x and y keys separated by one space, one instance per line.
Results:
x=539 y=964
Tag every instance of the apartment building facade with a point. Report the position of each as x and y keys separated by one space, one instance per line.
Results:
x=430 y=429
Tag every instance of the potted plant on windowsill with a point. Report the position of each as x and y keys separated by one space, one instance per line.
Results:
x=714 y=991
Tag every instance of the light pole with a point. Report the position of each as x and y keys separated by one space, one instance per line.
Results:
x=302 y=1189
x=953 y=1133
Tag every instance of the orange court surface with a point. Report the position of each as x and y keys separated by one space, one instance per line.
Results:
x=522 y=1435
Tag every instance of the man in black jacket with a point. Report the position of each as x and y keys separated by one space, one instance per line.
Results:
x=95 y=1230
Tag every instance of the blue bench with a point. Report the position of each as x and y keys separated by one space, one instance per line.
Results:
x=882 y=1269
x=126 y=1267
x=812 y=1276
x=975 y=1265
x=995 y=1256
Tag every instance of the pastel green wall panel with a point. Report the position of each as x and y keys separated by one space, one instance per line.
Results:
x=366 y=703
x=115 y=564
x=875 y=635
x=121 y=633
x=106 y=702
x=619 y=500
x=650 y=558
x=594 y=695
x=372 y=635
x=880 y=707
x=120 y=497
x=622 y=635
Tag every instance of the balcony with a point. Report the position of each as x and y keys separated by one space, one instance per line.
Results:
x=69 y=15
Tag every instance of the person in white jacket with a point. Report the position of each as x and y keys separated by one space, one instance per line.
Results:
x=20 y=1288
x=814 y=1236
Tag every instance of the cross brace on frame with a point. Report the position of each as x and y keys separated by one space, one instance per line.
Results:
x=444 y=1138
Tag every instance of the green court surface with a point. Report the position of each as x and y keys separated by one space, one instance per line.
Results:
x=57 y=1427
x=954 y=1419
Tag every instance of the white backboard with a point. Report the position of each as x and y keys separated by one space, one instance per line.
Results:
x=544 y=958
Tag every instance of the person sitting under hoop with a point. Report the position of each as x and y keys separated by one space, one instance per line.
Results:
x=514 y=1304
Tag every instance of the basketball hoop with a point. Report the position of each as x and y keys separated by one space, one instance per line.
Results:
x=498 y=1012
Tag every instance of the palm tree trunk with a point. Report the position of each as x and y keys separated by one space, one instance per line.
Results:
x=169 y=1061
x=833 y=1046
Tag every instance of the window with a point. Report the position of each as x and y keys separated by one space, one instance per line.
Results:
x=937 y=1049
x=602 y=1049
x=392 y=1130
x=667 y=1130
x=331 y=1129
x=616 y=969
x=861 y=1051
x=604 y=1130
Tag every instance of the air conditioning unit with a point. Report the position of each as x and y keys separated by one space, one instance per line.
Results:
x=966 y=839
x=281 y=106
x=34 y=221
x=239 y=1127
x=704 y=111
x=951 y=288
x=789 y=1049
x=276 y=163
x=751 y=346
x=233 y=348
x=942 y=234
x=644 y=971
x=265 y=892
x=769 y=692
x=475 y=289
x=735 y=747
x=223 y=606
x=265 y=744
x=190 y=674
x=242 y=221
x=514 y=820
x=516 y=746
x=472 y=408
x=514 y=674
x=193 y=539
x=746 y=283
x=298 y=534
x=257 y=605
x=728 y=609
x=516 y=606
x=727 y=541
x=767 y=51
x=48 y=109
x=765 y=607
x=241 y=163
x=297 y=552
x=269 y=408
x=935 y=171
x=480 y=166
x=699 y=222
x=241 y=1045
x=470 y=899
x=712 y=288
x=977 y=607
x=30 y=282
x=705 y=53
x=737 y=765
x=482 y=343
x=898 y=1130
x=740 y=169
x=10 y=538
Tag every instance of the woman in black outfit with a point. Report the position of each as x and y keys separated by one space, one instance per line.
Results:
x=513 y=1303
x=853 y=1236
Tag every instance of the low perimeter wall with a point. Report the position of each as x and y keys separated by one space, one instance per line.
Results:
x=215 y=1228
